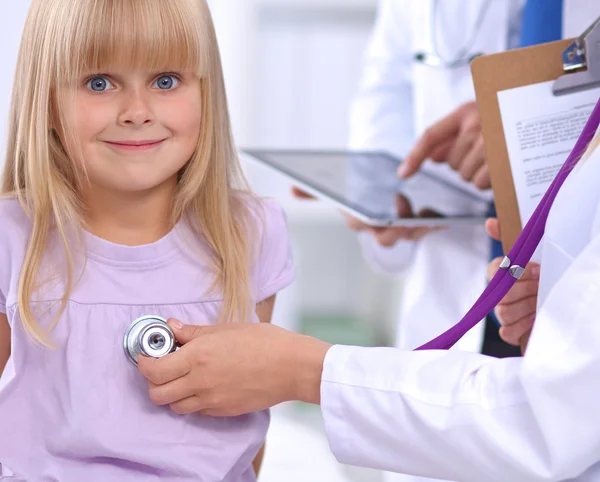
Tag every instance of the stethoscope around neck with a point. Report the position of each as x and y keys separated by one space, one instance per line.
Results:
x=434 y=60
x=463 y=57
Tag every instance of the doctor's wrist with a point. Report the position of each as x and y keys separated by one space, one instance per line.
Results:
x=308 y=356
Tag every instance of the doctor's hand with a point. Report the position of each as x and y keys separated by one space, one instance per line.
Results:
x=389 y=236
x=457 y=140
x=516 y=312
x=300 y=194
x=235 y=368
x=385 y=236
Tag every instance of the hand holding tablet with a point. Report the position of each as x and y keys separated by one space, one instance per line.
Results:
x=365 y=186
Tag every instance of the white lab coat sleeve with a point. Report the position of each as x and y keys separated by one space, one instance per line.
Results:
x=381 y=115
x=463 y=416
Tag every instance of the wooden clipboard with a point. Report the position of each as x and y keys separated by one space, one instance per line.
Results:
x=492 y=74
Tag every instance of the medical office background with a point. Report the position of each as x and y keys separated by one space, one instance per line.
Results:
x=291 y=68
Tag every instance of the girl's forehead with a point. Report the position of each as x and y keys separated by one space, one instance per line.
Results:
x=137 y=59
x=153 y=36
x=139 y=71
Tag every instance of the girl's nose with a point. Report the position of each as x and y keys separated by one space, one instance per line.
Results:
x=136 y=110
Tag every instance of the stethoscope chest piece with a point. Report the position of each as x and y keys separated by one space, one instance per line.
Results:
x=149 y=336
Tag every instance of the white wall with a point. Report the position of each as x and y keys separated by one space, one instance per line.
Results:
x=305 y=71
x=11 y=25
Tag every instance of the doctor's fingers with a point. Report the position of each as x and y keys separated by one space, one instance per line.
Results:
x=473 y=161
x=514 y=333
x=440 y=153
x=193 y=404
x=532 y=272
x=481 y=179
x=493 y=267
x=192 y=394
x=521 y=290
x=300 y=194
x=435 y=137
x=388 y=237
x=404 y=207
x=464 y=144
x=202 y=406
x=509 y=314
x=174 y=391
x=166 y=369
x=354 y=224
x=207 y=405
x=492 y=227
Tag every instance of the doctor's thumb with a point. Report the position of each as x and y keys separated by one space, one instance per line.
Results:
x=492 y=226
x=186 y=333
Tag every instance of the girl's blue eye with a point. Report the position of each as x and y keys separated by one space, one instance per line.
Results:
x=167 y=82
x=99 y=84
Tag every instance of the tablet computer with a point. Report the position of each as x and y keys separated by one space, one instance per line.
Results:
x=367 y=187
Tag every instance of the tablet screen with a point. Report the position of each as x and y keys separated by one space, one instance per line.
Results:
x=368 y=183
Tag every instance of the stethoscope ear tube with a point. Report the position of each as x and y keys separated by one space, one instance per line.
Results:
x=520 y=254
x=461 y=57
x=433 y=60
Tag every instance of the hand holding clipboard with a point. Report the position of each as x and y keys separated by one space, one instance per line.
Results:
x=545 y=75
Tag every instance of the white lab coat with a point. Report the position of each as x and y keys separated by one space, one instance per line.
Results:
x=397 y=100
x=467 y=417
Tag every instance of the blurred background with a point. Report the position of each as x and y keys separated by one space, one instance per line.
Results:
x=291 y=69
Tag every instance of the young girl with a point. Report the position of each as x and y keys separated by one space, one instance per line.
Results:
x=123 y=198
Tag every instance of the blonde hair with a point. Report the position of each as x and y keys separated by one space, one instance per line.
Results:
x=65 y=39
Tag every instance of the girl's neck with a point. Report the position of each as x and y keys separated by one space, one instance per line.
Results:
x=130 y=219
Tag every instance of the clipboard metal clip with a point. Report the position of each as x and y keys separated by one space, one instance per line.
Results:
x=581 y=63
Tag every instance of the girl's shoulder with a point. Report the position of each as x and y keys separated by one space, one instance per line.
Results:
x=262 y=208
x=266 y=218
x=15 y=228
x=15 y=225
x=273 y=261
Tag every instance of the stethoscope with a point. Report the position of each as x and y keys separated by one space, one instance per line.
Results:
x=463 y=57
x=149 y=336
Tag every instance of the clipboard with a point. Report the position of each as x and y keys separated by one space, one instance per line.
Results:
x=573 y=64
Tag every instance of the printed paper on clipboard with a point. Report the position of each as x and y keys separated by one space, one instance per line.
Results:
x=540 y=130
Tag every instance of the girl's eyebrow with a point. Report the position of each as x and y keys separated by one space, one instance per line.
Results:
x=150 y=74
